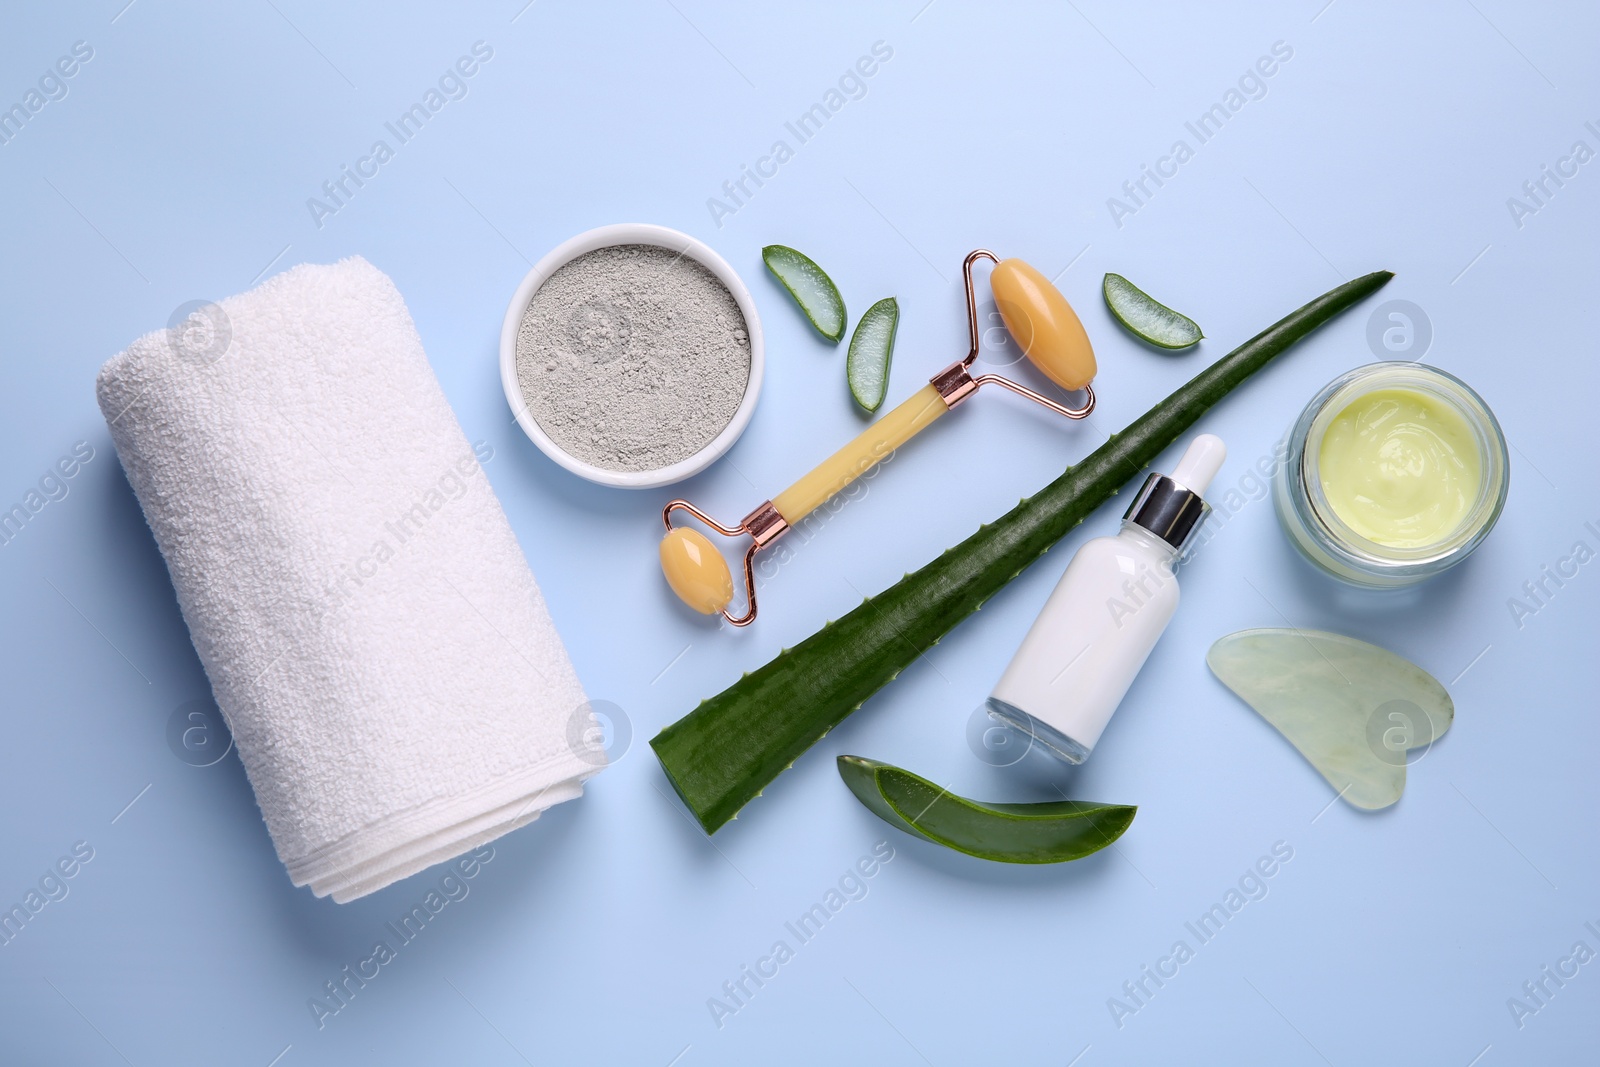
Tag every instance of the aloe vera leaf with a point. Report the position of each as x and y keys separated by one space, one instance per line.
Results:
x=871 y=348
x=811 y=288
x=1051 y=832
x=1146 y=317
x=726 y=751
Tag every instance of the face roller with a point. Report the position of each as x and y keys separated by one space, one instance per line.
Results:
x=1037 y=316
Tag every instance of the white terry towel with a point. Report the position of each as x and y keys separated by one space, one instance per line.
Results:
x=372 y=634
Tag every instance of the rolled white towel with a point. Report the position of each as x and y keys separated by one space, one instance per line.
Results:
x=395 y=686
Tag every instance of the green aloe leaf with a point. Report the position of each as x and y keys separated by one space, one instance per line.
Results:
x=726 y=751
x=1052 y=832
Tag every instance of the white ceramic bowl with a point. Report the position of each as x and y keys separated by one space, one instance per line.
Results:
x=631 y=233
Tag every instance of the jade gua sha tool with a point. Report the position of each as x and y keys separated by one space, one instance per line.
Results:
x=1035 y=314
x=1352 y=709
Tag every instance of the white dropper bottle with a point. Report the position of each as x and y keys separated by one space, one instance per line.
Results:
x=1106 y=614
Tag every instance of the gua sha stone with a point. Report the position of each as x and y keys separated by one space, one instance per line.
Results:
x=1351 y=708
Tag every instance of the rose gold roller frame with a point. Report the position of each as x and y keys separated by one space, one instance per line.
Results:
x=952 y=385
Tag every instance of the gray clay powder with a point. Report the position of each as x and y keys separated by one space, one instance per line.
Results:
x=633 y=357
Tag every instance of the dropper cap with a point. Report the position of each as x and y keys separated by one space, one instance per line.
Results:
x=1171 y=507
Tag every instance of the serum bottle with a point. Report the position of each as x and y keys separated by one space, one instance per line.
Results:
x=1106 y=614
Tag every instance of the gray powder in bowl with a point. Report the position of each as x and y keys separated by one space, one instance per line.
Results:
x=633 y=357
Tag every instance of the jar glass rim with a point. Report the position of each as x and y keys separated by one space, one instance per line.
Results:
x=1337 y=395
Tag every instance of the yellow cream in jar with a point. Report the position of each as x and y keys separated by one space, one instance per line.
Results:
x=1400 y=467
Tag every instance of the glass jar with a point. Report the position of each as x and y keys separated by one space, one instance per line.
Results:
x=1330 y=543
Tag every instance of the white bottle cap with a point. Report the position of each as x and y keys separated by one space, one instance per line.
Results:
x=1200 y=463
x=1170 y=506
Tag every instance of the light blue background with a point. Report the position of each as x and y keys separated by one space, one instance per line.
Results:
x=178 y=167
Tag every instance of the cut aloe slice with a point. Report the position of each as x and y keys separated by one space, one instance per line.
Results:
x=1352 y=709
x=1050 y=832
x=813 y=290
x=1147 y=318
x=871 y=349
